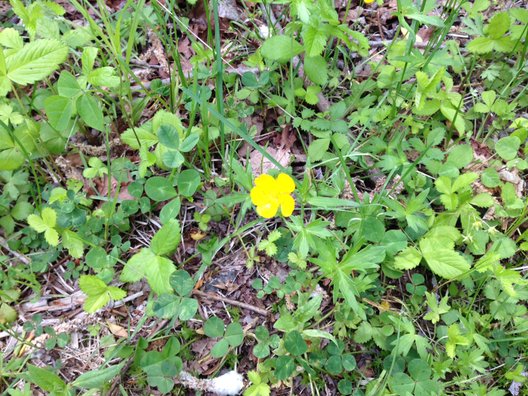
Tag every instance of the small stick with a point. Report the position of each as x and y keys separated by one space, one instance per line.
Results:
x=229 y=301
x=21 y=257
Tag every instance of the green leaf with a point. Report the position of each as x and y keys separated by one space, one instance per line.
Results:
x=314 y=40
x=481 y=45
x=408 y=259
x=35 y=61
x=170 y=210
x=67 y=85
x=316 y=69
x=220 y=348
x=182 y=283
x=214 y=327
x=234 y=334
x=284 y=367
x=188 y=182
x=90 y=112
x=59 y=111
x=103 y=77
x=189 y=142
x=45 y=379
x=498 y=25
x=167 y=306
x=98 y=292
x=158 y=272
x=134 y=269
x=456 y=117
x=444 y=262
x=96 y=379
x=167 y=239
x=159 y=189
x=508 y=147
x=73 y=243
x=188 y=308
x=294 y=343
x=7 y=314
x=44 y=224
x=88 y=59
x=169 y=136
x=10 y=38
x=281 y=48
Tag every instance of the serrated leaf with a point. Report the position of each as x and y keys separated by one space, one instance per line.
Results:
x=73 y=243
x=444 y=262
x=103 y=77
x=134 y=269
x=35 y=61
x=167 y=239
x=498 y=25
x=158 y=272
x=314 y=40
x=408 y=259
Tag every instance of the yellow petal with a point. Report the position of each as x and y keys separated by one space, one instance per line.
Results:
x=369 y=1
x=259 y=195
x=287 y=205
x=268 y=210
x=266 y=181
x=285 y=183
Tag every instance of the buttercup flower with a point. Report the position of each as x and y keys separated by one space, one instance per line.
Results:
x=271 y=193
x=369 y=1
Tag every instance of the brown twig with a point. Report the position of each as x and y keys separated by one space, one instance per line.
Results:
x=229 y=301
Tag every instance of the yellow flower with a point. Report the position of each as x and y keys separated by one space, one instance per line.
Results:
x=369 y=1
x=271 y=193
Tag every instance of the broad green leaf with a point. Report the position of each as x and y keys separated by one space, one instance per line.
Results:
x=88 y=59
x=134 y=269
x=481 y=45
x=214 y=327
x=167 y=306
x=73 y=243
x=295 y=344
x=158 y=272
x=407 y=259
x=103 y=77
x=59 y=111
x=281 y=48
x=67 y=85
x=189 y=142
x=188 y=182
x=169 y=137
x=188 y=308
x=143 y=134
x=7 y=314
x=444 y=262
x=220 y=348
x=314 y=40
x=182 y=283
x=456 y=117
x=166 y=239
x=234 y=334
x=498 y=25
x=508 y=147
x=170 y=210
x=45 y=378
x=159 y=188
x=90 y=112
x=10 y=38
x=316 y=69
x=35 y=61
x=96 y=379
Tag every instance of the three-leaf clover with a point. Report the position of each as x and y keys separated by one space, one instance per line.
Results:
x=262 y=349
x=231 y=337
x=178 y=305
x=45 y=223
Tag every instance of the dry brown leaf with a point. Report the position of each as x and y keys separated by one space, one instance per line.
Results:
x=261 y=164
x=117 y=330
